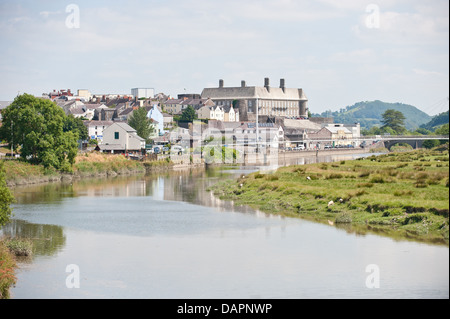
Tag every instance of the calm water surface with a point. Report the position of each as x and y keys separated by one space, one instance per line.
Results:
x=165 y=236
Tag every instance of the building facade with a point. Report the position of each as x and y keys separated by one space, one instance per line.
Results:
x=271 y=101
x=121 y=138
x=139 y=93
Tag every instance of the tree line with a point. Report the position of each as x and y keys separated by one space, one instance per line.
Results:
x=42 y=132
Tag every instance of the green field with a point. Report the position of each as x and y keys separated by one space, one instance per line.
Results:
x=401 y=195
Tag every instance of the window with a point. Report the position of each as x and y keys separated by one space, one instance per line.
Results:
x=116 y=135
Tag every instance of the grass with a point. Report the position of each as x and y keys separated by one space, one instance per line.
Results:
x=19 y=246
x=16 y=169
x=401 y=194
x=85 y=165
x=95 y=163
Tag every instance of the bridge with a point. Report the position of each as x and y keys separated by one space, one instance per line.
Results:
x=416 y=141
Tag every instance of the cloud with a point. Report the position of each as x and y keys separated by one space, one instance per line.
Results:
x=427 y=73
x=419 y=27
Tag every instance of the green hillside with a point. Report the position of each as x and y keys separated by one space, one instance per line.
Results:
x=369 y=114
x=436 y=122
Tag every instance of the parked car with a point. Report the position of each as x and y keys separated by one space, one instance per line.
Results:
x=177 y=149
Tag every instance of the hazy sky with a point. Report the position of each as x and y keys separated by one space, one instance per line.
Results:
x=339 y=52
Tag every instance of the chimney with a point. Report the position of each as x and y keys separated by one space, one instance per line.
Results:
x=282 y=85
x=266 y=84
x=243 y=84
x=220 y=83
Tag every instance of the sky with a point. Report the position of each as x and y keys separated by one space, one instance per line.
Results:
x=338 y=52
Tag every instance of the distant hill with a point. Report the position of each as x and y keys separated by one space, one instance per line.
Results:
x=369 y=114
x=436 y=122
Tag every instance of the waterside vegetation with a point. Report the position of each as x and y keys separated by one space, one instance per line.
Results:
x=401 y=195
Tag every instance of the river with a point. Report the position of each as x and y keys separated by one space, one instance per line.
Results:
x=165 y=236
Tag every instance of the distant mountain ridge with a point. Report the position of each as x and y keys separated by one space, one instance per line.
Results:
x=437 y=121
x=369 y=114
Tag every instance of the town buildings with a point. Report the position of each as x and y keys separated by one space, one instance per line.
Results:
x=271 y=101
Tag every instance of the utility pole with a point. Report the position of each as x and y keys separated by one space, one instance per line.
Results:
x=12 y=140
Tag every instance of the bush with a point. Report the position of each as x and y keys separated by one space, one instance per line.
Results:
x=344 y=218
x=7 y=265
x=19 y=247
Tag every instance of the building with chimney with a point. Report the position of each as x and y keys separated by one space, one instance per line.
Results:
x=271 y=101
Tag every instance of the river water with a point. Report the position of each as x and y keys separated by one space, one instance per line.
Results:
x=165 y=236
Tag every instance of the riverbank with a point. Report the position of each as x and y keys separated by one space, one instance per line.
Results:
x=401 y=195
x=89 y=165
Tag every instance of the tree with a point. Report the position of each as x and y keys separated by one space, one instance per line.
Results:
x=5 y=198
x=429 y=144
x=141 y=123
x=188 y=115
x=36 y=125
x=76 y=125
x=443 y=130
x=395 y=120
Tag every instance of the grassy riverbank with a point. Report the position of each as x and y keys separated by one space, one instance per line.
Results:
x=88 y=165
x=402 y=195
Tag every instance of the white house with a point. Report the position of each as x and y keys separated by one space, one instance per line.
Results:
x=211 y=113
x=158 y=119
x=96 y=128
x=121 y=138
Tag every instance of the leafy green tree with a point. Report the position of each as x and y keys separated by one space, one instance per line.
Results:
x=443 y=130
x=395 y=120
x=36 y=125
x=188 y=115
x=5 y=198
x=141 y=123
x=76 y=125
x=428 y=144
x=422 y=131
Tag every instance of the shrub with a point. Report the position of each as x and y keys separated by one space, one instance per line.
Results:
x=334 y=176
x=377 y=179
x=7 y=276
x=272 y=177
x=364 y=174
x=344 y=218
x=19 y=247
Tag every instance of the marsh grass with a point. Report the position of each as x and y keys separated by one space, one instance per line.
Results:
x=19 y=246
x=377 y=190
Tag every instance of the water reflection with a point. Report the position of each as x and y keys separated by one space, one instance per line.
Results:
x=47 y=239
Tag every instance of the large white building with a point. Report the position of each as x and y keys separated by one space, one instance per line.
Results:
x=139 y=93
x=271 y=101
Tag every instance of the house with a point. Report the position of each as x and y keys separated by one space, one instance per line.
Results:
x=96 y=128
x=121 y=138
x=230 y=114
x=211 y=113
x=157 y=118
x=173 y=106
x=336 y=135
x=168 y=121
